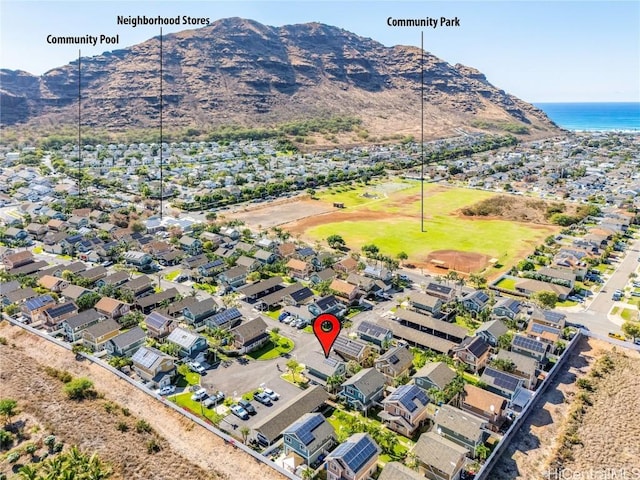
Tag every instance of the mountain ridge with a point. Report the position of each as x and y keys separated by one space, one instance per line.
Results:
x=239 y=71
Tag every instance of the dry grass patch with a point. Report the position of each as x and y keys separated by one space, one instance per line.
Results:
x=606 y=417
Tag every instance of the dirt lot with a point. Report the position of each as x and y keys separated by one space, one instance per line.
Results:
x=609 y=430
x=188 y=450
x=278 y=213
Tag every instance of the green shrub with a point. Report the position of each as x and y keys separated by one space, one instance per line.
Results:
x=143 y=427
x=80 y=389
x=122 y=427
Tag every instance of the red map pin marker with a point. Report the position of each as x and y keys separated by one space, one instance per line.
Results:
x=326 y=327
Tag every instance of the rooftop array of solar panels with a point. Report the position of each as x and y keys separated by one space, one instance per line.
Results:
x=225 y=317
x=408 y=396
x=304 y=428
x=528 y=343
x=356 y=454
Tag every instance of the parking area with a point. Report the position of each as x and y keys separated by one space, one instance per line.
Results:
x=285 y=390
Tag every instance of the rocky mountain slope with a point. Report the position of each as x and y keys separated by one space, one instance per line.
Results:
x=238 y=71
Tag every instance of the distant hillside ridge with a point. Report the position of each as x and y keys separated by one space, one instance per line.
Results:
x=240 y=72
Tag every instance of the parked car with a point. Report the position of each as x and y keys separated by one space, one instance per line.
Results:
x=246 y=404
x=273 y=395
x=196 y=367
x=263 y=398
x=213 y=400
x=107 y=263
x=288 y=320
x=617 y=336
x=282 y=316
x=166 y=390
x=239 y=412
x=199 y=395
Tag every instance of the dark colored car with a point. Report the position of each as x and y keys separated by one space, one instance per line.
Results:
x=246 y=404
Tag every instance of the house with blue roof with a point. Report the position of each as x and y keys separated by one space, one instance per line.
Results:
x=355 y=459
x=405 y=410
x=310 y=437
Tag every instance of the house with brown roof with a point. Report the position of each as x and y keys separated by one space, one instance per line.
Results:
x=18 y=259
x=52 y=283
x=344 y=290
x=286 y=250
x=56 y=314
x=159 y=325
x=298 y=268
x=56 y=225
x=484 y=403
x=112 y=308
x=346 y=265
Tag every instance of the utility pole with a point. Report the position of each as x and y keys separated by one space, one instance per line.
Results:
x=422 y=131
x=161 y=137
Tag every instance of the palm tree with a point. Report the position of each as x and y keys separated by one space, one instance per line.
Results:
x=333 y=381
x=244 y=431
x=293 y=367
x=482 y=452
x=27 y=472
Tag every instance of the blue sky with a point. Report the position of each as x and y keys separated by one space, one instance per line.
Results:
x=540 y=51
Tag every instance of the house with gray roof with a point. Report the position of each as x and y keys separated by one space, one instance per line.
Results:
x=405 y=410
x=153 y=366
x=197 y=313
x=434 y=375
x=370 y=332
x=95 y=336
x=426 y=303
x=250 y=336
x=159 y=325
x=356 y=458
x=270 y=428
x=395 y=363
x=126 y=343
x=398 y=471
x=463 y=428
x=491 y=331
x=524 y=366
x=310 y=436
x=507 y=308
x=475 y=301
x=438 y=458
x=363 y=390
x=74 y=326
x=190 y=343
x=473 y=352
x=319 y=368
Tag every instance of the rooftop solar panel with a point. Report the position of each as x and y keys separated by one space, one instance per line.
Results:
x=305 y=429
x=539 y=328
x=372 y=329
x=61 y=309
x=347 y=346
x=502 y=379
x=38 y=302
x=145 y=357
x=528 y=343
x=225 y=317
x=359 y=453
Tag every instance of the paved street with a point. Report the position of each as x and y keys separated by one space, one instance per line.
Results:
x=595 y=315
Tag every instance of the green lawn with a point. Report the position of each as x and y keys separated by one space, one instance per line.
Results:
x=507 y=284
x=470 y=378
x=189 y=378
x=629 y=315
x=300 y=379
x=172 y=275
x=500 y=239
x=270 y=350
x=37 y=249
x=184 y=400
x=470 y=325
x=566 y=303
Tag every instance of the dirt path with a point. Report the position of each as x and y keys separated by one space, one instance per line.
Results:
x=533 y=448
x=190 y=451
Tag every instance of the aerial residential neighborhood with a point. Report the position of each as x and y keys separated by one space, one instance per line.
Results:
x=212 y=312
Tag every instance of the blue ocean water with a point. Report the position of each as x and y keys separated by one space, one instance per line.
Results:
x=594 y=116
